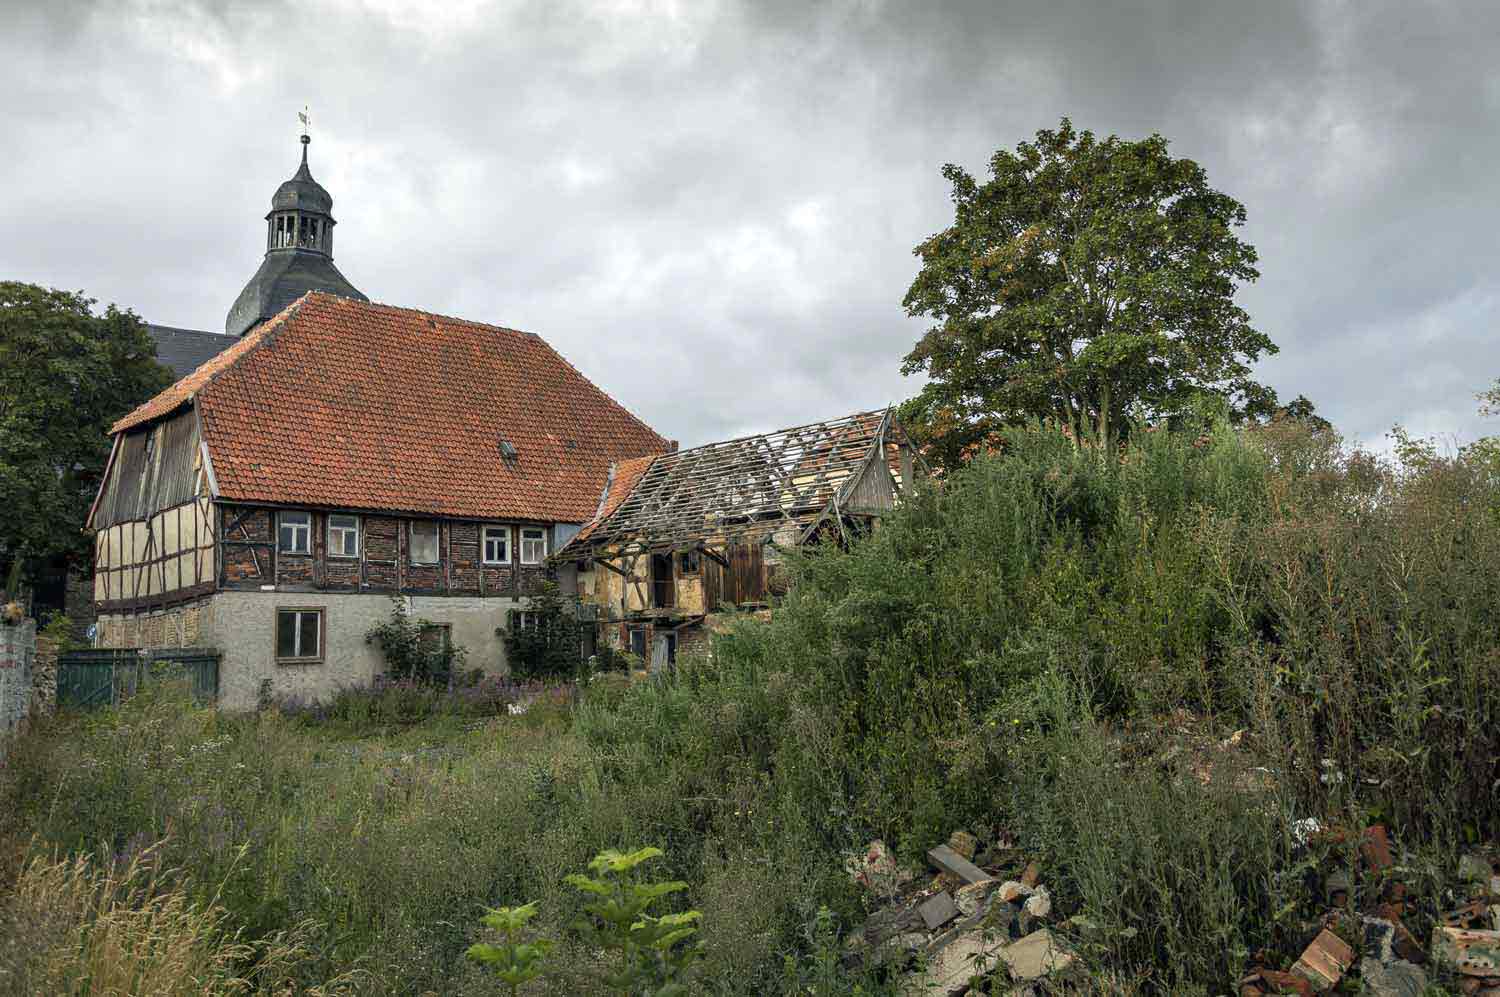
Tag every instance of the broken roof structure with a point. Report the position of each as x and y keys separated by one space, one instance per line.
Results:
x=785 y=484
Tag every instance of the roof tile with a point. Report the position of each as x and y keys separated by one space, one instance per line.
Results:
x=343 y=403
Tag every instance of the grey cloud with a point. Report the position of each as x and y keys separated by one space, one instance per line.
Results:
x=710 y=208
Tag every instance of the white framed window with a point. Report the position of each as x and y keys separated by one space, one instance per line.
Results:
x=294 y=532
x=343 y=536
x=496 y=544
x=533 y=545
x=299 y=634
x=525 y=619
x=424 y=542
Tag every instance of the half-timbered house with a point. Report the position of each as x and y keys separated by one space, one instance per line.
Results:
x=679 y=537
x=271 y=503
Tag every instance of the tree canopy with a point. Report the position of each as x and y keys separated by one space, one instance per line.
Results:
x=66 y=373
x=1085 y=280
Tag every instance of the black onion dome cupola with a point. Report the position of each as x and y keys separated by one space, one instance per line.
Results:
x=299 y=253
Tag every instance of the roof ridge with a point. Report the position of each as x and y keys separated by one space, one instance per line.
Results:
x=785 y=429
x=519 y=332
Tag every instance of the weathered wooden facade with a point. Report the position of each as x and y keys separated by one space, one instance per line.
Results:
x=680 y=537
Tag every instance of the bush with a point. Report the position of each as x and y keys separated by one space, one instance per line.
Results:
x=410 y=649
x=1052 y=643
x=544 y=640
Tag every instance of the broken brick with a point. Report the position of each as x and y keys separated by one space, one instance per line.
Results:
x=1404 y=942
x=1325 y=961
x=1375 y=847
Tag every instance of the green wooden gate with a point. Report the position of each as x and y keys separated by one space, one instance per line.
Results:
x=105 y=676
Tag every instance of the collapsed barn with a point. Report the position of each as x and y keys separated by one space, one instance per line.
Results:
x=681 y=537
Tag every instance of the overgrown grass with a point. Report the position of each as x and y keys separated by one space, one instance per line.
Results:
x=1050 y=643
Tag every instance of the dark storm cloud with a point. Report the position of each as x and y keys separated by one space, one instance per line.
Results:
x=710 y=208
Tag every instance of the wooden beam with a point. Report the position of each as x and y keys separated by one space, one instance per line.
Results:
x=610 y=565
x=713 y=555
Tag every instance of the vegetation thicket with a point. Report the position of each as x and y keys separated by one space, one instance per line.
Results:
x=1053 y=641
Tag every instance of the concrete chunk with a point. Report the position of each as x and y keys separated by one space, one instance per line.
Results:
x=1471 y=952
x=950 y=861
x=1036 y=955
x=938 y=910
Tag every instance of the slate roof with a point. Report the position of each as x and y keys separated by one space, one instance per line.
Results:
x=302 y=192
x=185 y=350
x=283 y=277
x=346 y=404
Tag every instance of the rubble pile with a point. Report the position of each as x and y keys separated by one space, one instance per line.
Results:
x=1375 y=943
x=984 y=914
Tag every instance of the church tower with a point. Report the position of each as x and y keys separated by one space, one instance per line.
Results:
x=299 y=253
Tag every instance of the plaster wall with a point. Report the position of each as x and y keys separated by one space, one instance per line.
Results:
x=244 y=630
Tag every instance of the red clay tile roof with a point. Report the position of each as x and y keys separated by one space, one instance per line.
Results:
x=355 y=405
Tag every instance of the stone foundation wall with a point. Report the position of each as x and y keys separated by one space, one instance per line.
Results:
x=44 y=677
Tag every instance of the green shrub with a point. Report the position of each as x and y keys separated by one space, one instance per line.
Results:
x=416 y=649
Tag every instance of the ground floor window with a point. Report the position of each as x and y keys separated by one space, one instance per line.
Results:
x=299 y=634
x=436 y=638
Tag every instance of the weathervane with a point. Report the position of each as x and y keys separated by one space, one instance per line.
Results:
x=302 y=116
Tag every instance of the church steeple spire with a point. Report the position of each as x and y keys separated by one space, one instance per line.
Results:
x=299 y=250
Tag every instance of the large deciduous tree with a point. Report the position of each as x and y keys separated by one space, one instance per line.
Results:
x=66 y=373
x=1087 y=279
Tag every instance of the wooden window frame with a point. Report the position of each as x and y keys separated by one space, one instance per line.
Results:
x=358 y=531
x=521 y=544
x=306 y=529
x=682 y=563
x=446 y=632
x=484 y=543
x=437 y=543
x=301 y=659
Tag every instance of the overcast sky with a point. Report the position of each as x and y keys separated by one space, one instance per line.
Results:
x=710 y=207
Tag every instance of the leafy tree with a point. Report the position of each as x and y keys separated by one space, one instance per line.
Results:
x=1301 y=409
x=66 y=374
x=1085 y=280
